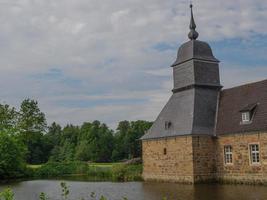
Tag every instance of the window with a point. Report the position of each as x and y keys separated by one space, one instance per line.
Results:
x=254 y=153
x=245 y=117
x=248 y=112
x=165 y=151
x=228 y=155
x=168 y=125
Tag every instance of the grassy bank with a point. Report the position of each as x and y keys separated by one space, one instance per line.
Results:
x=93 y=171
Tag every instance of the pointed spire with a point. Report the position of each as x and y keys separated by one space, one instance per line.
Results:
x=193 y=34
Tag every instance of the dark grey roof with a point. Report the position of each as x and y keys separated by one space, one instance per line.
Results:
x=191 y=112
x=179 y=111
x=249 y=107
x=194 y=49
x=244 y=97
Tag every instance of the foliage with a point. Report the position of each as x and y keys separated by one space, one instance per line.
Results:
x=125 y=172
x=8 y=117
x=30 y=141
x=103 y=172
x=42 y=196
x=7 y=194
x=32 y=125
x=98 y=172
x=64 y=190
x=95 y=142
x=12 y=154
x=126 y=138
x=31 y=119
x=56 y=169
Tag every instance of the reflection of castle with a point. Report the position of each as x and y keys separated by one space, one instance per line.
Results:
x=205 y=133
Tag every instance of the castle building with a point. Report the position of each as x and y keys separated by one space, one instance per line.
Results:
x=205 y=133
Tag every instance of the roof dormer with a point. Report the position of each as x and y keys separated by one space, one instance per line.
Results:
x=247 y=113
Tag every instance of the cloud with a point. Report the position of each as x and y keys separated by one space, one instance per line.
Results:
x=109 y=60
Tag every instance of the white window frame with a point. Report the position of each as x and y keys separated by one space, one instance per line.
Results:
x=246 y=117
x=254 y=154
x=228 y=155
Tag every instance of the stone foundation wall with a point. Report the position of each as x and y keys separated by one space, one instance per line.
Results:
x=174 y=166
x=204 y=156
x=242 y=171
x=192 y=159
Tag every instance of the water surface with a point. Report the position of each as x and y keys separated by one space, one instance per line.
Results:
x=30 y=190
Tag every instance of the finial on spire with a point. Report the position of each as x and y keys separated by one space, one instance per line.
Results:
x=193 y=34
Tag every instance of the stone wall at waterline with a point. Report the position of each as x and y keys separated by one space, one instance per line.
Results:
x=242 y=170
x=193 y=159
x=204 y=158
x=169 y=159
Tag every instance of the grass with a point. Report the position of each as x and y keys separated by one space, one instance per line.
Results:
x=34 y=166
x=90 y=164
x=92 y=171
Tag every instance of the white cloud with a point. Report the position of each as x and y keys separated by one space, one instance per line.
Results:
x=104 y=50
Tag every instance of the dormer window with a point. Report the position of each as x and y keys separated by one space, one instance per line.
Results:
x=246 y=117
x=247 y=113
x=168 y=125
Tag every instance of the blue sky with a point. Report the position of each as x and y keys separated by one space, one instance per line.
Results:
x=109 y=60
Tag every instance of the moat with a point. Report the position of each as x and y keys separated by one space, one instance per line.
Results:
x=30 y=190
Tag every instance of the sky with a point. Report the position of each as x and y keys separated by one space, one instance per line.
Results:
x=109 y=60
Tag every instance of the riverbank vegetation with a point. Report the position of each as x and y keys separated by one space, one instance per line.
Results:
x=25 y=138
x=94 y=172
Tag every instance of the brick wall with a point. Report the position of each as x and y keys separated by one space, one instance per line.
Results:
x=194 y=159
x=242 y=170
x=175 y=166
x=204 y=158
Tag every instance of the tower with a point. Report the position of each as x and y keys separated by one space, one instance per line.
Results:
x=191 y=110
x=180 y=146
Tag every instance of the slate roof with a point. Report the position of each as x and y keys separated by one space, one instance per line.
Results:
x=189 y=112
x=235 y=100
x=194 y=49
x=178 y=111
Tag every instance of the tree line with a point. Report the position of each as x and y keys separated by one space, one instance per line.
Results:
x=25 y=136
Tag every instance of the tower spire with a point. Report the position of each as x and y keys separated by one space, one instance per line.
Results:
x=193 y=34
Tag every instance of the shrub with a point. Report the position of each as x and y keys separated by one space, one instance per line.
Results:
x=125 y=172
x=99 y=172
x=56 y=169
x=7 y=194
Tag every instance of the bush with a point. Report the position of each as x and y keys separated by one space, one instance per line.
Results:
x=7 y=194
x=56 y=169
x=125 y=172
x=100 y=172
x=117 y=172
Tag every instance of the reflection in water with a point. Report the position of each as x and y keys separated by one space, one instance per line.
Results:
x=30 y=190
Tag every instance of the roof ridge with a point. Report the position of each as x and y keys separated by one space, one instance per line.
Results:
x=247 y=84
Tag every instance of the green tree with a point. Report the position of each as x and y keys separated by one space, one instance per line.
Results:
x=8 y=117
x=32 y=125
x=83 y=151
x=120 y=148
x=95 y=142
x=127 y=144
x=51 y=142
x=54 y=134
x=137 y=130
x=12 y=156
x=31 y=119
